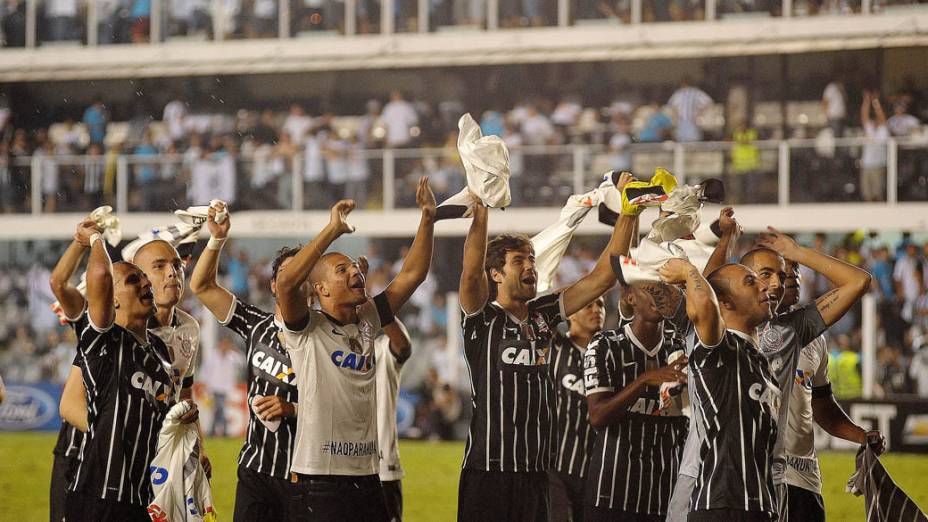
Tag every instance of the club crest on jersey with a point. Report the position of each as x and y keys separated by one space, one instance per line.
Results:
x=771 y=339
x=186 y=346
x=153 y=389
x=525 y=355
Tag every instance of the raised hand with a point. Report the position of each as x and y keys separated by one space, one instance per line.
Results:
x=780 y=242
x=675 y=271
x=728 y=224
x=425 y=200
x=218 y=230
x=339 y=216
x=624 y=179
x=85 y=229
x=363 y=265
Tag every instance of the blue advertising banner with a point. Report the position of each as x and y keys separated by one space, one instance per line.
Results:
x=30 y=407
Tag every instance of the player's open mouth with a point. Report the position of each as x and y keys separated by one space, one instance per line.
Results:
x=530 y=280
x=147 y=295
x=359 y=284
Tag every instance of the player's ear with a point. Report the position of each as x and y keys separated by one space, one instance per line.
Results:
x=497 y=275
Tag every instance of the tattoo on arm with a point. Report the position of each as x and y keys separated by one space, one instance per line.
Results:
x=696 y=279
x=828 y=300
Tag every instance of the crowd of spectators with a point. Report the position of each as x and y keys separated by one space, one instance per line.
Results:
x=185 y=156
x=129 y=21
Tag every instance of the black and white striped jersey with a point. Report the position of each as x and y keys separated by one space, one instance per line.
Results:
x=574 y=436
x=739 y=401
x=70 y=438
x=269 y=373
x=511 y=388
x=129 y=389
x=635 y=461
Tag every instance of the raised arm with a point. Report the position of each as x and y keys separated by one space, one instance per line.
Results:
x=292 y=303
x=474 y=290
x=71 y=301
x=702 y=307
x=203 y=282
x=850 y=282
x=602 y=277
x=865 y=109
x=731 y=231
x=400 y=344
x=416 y=265
x=100 y=303
x=878 y=110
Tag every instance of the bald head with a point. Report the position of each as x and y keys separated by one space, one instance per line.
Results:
x=720 y=278
x=157 y=248
x=761 y=255
x=325 y=265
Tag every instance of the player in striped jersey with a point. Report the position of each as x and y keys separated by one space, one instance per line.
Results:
x=264 y=462
x=638 y=441
x=734 y=391
x=174 y=326
x=573 y=438
x=130 y=386
x=812 y=400
x=335 y=462
x=507 y=341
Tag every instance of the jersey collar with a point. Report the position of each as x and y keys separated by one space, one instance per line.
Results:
x=653 y=351
x=744 y=336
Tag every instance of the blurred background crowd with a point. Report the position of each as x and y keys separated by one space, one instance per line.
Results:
x=34 y=347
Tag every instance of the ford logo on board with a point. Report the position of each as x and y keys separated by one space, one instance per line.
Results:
x=26 y=408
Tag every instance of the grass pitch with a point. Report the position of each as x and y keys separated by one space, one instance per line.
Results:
x=430 y=486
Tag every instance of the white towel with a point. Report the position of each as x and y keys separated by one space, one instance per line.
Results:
x=178 y=481
x=551 y=243
x=486 y=164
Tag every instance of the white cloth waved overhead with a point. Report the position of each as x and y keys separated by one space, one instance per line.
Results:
x=551 y=243
x=486 y=164
x=181 y=489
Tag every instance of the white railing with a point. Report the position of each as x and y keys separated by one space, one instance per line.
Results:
x=352 y=17
x=780 y=173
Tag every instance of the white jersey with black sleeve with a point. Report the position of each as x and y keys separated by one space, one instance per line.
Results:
x=337 y=413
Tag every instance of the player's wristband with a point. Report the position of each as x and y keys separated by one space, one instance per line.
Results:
x=821 y=391
x=94 y=237
x=383 y=309
x=215 y=243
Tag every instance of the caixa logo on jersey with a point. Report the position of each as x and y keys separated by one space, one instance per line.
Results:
x=523 y=354
x=153 y=389
x=29 y=408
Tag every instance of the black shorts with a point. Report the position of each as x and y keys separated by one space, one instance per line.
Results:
x=729 y=515
x=337 y=498
x=502 y=496
x=85 y=508
x=566 y=492
x=257 y=495
x=393 y=494
x=62 y=472
x=803 y=505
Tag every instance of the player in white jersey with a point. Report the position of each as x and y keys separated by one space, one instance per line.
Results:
x=335 y=463
x=812 y=400
x=392 y=350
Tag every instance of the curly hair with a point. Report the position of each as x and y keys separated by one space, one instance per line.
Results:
x=496 y=254
x=283 y=254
